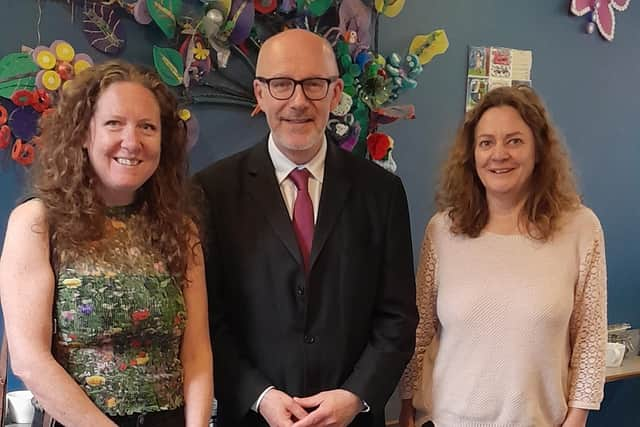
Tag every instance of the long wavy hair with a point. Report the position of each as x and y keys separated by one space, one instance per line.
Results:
x=65 y=181
x=552 y=189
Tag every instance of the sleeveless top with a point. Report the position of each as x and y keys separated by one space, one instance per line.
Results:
x=119 y=318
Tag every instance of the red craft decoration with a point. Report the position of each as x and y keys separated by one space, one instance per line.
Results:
x=5 y=136
x=22 y=97
x=265 y=6
x=22 y=153
x=65 y=70
x=41 y=100
x=378 y=145
x=4 y=115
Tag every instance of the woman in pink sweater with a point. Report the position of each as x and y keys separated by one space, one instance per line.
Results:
x=511 y=283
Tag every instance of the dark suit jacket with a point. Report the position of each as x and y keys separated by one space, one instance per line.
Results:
x=350 y=324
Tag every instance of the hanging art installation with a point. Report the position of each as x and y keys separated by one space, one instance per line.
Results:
x=203 y=38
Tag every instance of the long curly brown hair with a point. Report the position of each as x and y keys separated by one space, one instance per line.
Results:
x=64 y=179
x=553 y=189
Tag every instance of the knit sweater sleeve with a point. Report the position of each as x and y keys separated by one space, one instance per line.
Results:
x=588 y=325
x=426 y=295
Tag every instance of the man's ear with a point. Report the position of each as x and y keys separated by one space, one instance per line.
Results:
x=258 y=90
x=336 y=93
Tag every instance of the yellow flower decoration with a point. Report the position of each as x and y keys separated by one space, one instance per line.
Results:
x=46 y=60
x=51 y=80
x=80 y=66
x=184 y=114
x=111 y=402
x=96 y=380
x=64 y=51
x=199 y=52
x=142 y=360
x=389 y=8
x=59 y=63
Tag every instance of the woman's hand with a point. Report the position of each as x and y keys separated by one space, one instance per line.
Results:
x=407 y=414
x=576 y=417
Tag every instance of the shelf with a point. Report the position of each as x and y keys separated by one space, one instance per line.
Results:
x=630 y=368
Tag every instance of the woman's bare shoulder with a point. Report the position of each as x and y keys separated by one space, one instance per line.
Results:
x=28 y=217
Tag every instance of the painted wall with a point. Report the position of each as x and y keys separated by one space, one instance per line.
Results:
x=590 y=86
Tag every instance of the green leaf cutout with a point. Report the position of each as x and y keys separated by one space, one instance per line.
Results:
x=17 y=71
x=315 y=7
x=169 y=65
x=165 y=13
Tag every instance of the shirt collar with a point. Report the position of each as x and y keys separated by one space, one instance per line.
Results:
x=283 y=165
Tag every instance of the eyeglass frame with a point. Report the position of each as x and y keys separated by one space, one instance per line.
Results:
x=328 y=80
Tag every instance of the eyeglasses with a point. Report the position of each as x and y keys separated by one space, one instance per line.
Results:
x=283 y=88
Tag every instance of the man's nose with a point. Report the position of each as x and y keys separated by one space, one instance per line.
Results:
x=298 y=98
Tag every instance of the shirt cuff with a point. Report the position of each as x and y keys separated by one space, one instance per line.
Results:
x=256 y=406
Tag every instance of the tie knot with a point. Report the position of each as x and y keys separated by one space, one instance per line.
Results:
x=300 y=178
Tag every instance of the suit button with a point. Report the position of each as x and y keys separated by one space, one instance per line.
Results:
x=300 y=291
x=308 y=339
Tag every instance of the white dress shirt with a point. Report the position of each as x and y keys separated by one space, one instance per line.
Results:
x=283 y=167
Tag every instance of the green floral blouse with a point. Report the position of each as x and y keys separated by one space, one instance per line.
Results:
x=119 y=320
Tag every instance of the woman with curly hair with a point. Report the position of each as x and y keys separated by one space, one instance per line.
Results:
x=511 y=283
x=101 y=275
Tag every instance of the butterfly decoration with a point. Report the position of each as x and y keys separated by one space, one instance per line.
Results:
x=602 y=14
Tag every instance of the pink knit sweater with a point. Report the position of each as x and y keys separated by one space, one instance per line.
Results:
x=512 y=331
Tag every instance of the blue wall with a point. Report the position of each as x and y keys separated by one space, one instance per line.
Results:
x=590 y=86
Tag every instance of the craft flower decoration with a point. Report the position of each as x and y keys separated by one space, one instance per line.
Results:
x=32 y=82
x=379 y=145
x=371 y=82
x=602 y=14
x=19 y=123
x=200 y=53
x=58 y=63
x=192 y=127
x=389 y=8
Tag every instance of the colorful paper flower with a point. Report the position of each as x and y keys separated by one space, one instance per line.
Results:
x=59 y=63
x=378 y=145
x=390 y=8
x=199 y=52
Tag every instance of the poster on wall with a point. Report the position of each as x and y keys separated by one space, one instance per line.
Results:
x=491 y=67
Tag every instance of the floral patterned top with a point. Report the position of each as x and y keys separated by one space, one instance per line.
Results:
x=119 y=320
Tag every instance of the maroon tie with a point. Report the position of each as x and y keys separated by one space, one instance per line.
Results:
x=303 y=214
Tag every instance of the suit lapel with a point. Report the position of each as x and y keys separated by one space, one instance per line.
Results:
x=263 y=187
x=335 y=188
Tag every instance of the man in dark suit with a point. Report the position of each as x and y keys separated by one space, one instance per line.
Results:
x=309 y=260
